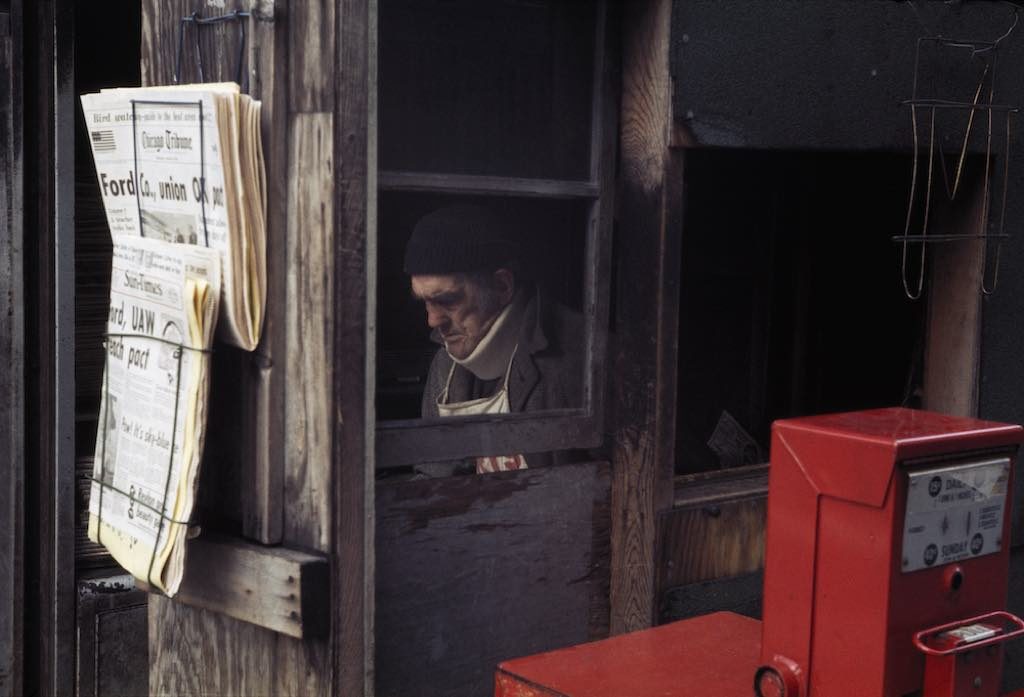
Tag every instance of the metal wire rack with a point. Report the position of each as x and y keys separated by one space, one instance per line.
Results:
x=982 y=55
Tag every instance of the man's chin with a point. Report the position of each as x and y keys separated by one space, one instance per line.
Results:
x=456 y=348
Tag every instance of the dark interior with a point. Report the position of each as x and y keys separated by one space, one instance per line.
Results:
x=497 y=88
x=791 y=299
x=102 y=59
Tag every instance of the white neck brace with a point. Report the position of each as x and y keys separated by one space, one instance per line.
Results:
x=490 y=358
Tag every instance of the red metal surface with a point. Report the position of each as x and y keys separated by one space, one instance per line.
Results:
x=710 y=656
x=840 y=615
x=970 y=674
x=926 y=640
x=955 y=667
x=834 y=589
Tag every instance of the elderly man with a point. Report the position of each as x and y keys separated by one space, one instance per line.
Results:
x=505 y=349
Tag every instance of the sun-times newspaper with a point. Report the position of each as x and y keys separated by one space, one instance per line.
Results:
x=163 y=309
x=184 y=164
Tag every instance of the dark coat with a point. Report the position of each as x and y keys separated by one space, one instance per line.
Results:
x=547 y=371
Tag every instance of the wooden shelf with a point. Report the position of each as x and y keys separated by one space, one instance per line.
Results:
x=285 y=590
x=497 y=186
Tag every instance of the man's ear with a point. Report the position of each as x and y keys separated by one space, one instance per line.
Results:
x=505 y=285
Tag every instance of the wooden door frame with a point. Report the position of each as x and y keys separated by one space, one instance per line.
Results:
x=47 y=62
x=643 y=365
x=12 y=527
x=354 y=374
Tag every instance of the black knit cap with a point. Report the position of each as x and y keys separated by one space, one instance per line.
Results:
x=457 y=239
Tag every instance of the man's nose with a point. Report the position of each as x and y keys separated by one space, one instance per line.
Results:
x=435 y=317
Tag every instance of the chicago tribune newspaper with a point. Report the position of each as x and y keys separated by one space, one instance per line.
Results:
x=184 y=164
x=163 y=309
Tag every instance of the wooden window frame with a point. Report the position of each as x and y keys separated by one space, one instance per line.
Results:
x=409 y=441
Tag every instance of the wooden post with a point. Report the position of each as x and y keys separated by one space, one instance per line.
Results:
x=952 y=363
x=353 y=418
x=12 y=363
x=644 y=368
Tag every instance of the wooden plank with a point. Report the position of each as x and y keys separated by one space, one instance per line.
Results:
x=644 y=374
x=303 y=667
x=711 y=544
x=475 y=570
x=952 y=361
x=263 y=386
x=710 y=540
x=196 y=652
x=482 y=185
x=311 y=73
x=405 y=442
x=219 y=43
x=354 y=367
x=309 y=330
x=703 y=488
x=12 y=366
x=278 y=588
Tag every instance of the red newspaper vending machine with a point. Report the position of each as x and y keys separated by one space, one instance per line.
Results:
x=887 y=567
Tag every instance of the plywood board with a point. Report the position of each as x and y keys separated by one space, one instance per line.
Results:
x=478 y=569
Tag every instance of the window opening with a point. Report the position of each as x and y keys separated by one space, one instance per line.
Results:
x=503 y=106
x=791 y=300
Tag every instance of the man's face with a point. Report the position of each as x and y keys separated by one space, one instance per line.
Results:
x=460 y=309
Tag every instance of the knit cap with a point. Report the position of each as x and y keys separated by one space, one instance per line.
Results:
x=460 y=238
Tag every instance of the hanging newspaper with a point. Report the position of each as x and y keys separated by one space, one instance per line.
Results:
x=163 y=309
x=185 y=164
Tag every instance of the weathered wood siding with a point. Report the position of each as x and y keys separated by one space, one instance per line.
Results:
x=472 y=571
x=644 y=359
x=282 y=442
x=711 y=545
x=309 y=328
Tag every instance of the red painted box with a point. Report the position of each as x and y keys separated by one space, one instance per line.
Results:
x=710 y=656
x=881 y=524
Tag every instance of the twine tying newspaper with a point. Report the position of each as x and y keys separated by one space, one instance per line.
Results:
x=202 y=159
x=179 y=349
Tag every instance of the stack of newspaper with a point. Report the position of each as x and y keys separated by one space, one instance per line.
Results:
x=185 y=164
x=163 y=310
x=181 y=174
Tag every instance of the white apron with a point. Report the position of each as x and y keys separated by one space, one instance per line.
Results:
x=495 y=404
